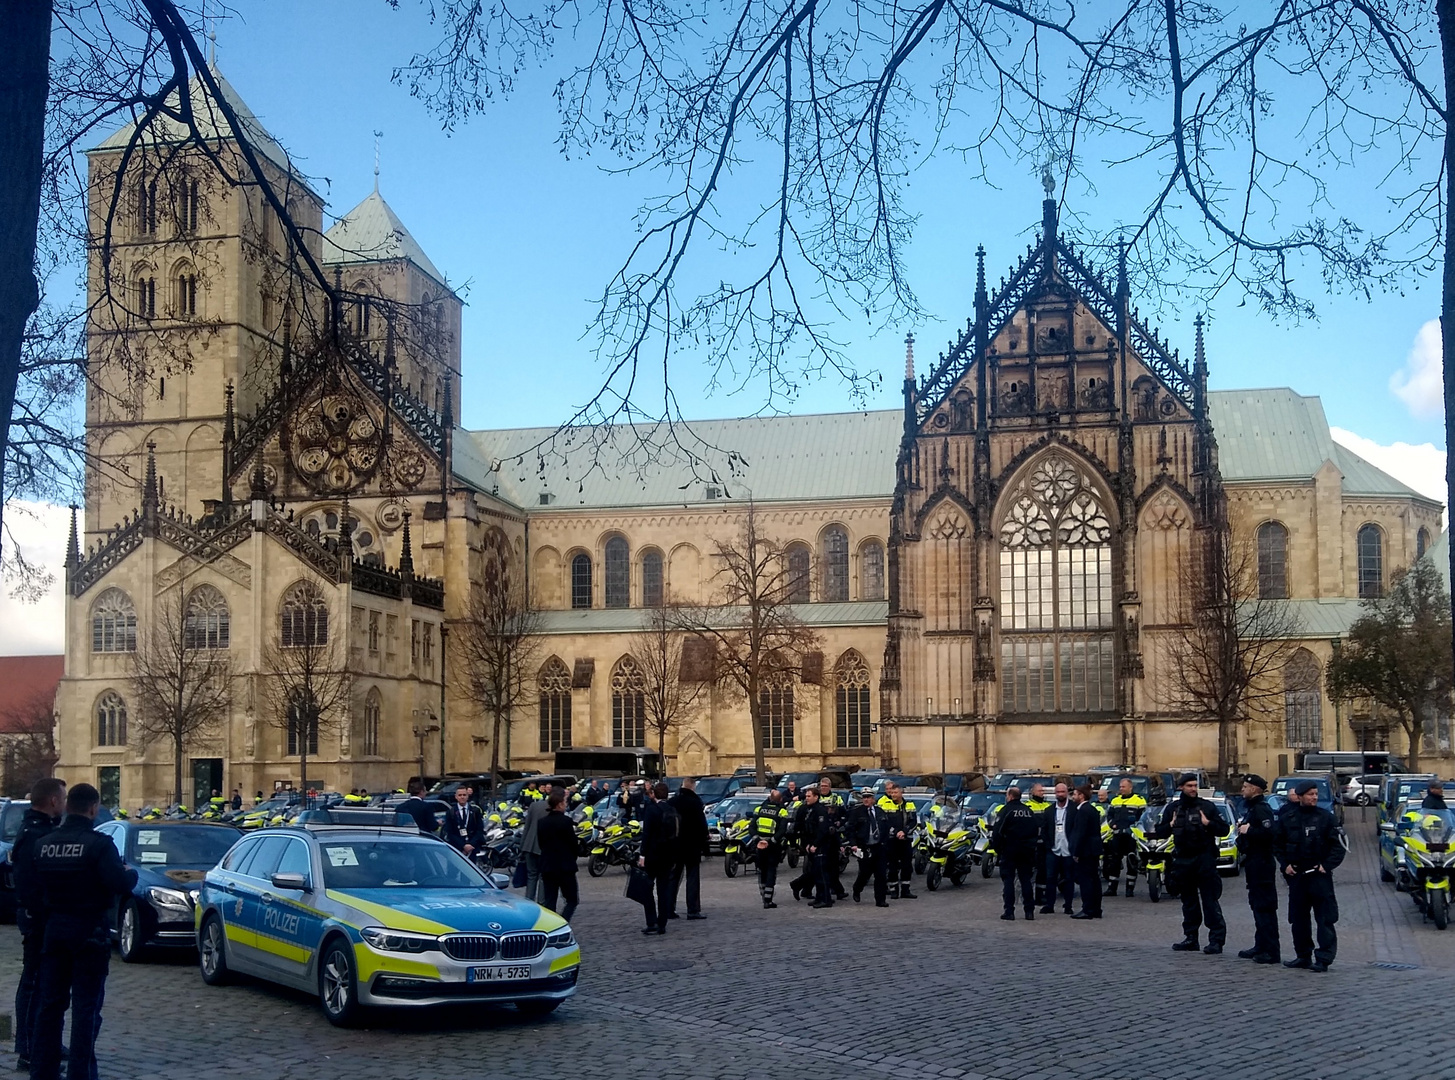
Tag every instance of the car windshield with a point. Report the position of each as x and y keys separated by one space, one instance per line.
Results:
x=1284 y=786
x=392 y=864
x=10 y=823
x=732 y=809
x=712 y=788
x=197 y=846
x=977 y=802
x=1407 y=789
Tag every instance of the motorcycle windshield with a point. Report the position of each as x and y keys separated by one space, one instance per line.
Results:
x=1151 y=818
x=1437 y=829
x=947 y=823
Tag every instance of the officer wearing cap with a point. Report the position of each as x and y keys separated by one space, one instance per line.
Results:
x=1309 y=846
x=1257 y=832
x=1195 y=826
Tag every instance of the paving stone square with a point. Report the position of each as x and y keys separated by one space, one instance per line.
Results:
x=937 y=986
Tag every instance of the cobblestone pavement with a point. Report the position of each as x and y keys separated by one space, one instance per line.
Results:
x=932 y=987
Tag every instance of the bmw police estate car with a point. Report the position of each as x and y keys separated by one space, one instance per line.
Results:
x=379 y=915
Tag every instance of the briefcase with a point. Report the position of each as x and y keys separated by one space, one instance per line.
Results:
x=639 y=886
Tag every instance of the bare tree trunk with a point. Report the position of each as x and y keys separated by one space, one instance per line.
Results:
x=495 y=758
x=756 y=721
x=1445 y=10
x=177 y=768
x=25 y=34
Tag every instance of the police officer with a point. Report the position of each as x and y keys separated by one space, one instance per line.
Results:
x=833 y=804
x=1122 y=813
x=1038 y=802
x=1257 y=833
x=869 y=832
x=1434 y=797
x=1195 y=826
x=1309 y=846
x=1016 y=837
x=47 y=801
x=820 y=847
x=901 y=815
x=769 y=829
x=81 y=875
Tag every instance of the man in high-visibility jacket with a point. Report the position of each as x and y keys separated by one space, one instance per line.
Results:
x=902 y=819
x=1124 y=811
x=1041 y=806
x=767 y=832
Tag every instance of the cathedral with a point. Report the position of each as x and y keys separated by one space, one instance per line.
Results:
x=997 y=575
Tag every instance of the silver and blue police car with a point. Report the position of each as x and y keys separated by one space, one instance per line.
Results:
x=378 y=915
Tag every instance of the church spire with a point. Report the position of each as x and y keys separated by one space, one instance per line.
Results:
x=910 y=397
x=229 y=435
x=406 y=553
x=1049 y=220
x=1199 y=373
x=73 y=545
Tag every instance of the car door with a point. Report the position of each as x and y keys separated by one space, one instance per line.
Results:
x=247 y=885
x=287 y=929
x=116 y=833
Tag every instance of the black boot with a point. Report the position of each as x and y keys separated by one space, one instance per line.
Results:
x=1186 y=945
x=1111 y=889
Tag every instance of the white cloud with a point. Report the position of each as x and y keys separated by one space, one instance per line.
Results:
x=1419 y=383
x=35 y=625
x=1420 y=466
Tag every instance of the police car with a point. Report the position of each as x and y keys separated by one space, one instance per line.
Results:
x=375 y=914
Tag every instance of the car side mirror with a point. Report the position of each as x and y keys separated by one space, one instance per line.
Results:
x=290 y=881
x=500 y=881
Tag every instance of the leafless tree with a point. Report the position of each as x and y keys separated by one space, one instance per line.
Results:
x=670 y=696
x=306 y=694
x=29 y=740
x=755 y=637
x=1226 y=661
x=497 y=644
x=181 y=680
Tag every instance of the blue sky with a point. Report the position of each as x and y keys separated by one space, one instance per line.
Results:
x=532 y=236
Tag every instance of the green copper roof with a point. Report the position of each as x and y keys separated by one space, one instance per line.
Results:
x=631 y=620
x=372 y=232
x=832 y=456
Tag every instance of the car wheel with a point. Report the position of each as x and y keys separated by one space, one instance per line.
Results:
x=212 y=952
x=536 y=1010
x=1362 y=799
x=338 y=993
x=130 y=935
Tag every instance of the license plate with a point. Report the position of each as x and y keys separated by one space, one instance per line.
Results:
x=496 y=973
x=1439 y=847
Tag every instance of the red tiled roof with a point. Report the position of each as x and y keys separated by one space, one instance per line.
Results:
x=27 y=682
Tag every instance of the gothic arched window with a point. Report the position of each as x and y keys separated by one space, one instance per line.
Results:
x=1272 y=561
x=184 y=291
x=207 y=623
x=851 y=702
x=303 y=617
x=581 y=581
x=618 y=573
x=835 y=564
x=555 y=688
x=652 y=593
x=775 y=714
x=110 y=720
x=871 y=571
x=1302 y=701
x=628 y=704
x=1371 y=563
x=798 y=570
x=1422 y=543
x=113 y=623
x=1056 y=612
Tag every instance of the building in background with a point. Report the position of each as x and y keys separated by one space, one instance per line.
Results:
x=995 y=573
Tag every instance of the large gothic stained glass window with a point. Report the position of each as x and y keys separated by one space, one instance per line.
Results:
x=1056 y=612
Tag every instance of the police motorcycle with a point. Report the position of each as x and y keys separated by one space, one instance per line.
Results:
x=1429 y=850
x=1152 y=853
x=501 y=849
x=583 y=821
x=949 y=841
x=980 y=850
x=738 y=849
x=618 y=843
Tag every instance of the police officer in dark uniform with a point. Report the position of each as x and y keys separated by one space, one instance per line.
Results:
x=902 y=820
x=833 y=804
x=1195 y=826
x=820 y=848
x=1257 y=833
x=1016 y=838
x=47 y=802
x=767 y=832
x=81 y=875
x=869 y=832
x=1309 y=846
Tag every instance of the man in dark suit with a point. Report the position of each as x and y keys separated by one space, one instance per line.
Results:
x=869 y=833
x=694 y=846
x=1060 y=876
x=416 y=807
x=557 y=838
x=661 y=843
x=1083 y=835
x=464 y=827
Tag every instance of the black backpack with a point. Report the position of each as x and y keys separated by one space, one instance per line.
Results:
x=671 y=822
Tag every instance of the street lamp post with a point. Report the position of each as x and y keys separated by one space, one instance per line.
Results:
x=423 y=732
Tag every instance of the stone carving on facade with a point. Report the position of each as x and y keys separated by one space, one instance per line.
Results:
x=948 y=525
x=337 y=447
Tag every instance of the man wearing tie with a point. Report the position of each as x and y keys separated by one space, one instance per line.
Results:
x=1060 y=870
x=1083 y=837
x=465 y=828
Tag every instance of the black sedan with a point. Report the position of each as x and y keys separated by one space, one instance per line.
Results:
x=170 y=859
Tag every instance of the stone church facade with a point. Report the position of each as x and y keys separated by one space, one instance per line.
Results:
x=995 y=573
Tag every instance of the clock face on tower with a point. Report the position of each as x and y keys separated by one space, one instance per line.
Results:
x=338 y=446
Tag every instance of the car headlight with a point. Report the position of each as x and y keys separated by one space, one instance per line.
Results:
x=398 y=940
x=561 y=939
x=170 y=899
